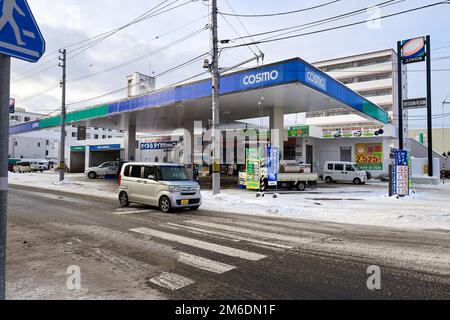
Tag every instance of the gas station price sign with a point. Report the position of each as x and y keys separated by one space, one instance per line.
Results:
x=401 y=173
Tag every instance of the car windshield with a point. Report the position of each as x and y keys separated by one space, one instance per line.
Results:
x=173 y=174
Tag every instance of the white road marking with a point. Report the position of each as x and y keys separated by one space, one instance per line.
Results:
x=257 y=233
x=233 y=237
x=204 y=264
x=171 y=281
x=228 y=251
x=121 y=213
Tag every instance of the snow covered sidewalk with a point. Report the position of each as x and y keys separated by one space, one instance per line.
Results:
x=428 y=208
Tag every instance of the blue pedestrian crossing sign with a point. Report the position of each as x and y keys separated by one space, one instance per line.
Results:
x=20 y=36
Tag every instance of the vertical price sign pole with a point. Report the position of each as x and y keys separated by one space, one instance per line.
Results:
x=20 y=38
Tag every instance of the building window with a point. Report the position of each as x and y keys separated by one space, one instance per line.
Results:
x=103 y=136
x=46 y=153
x=16 y=143
x=47 y=142
x=39 y=144
x=27 y=119
x=109 y=137
x=95 y=136
x=74 y=134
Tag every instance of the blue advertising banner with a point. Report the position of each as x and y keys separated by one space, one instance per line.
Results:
x=24 y=127
x=158 y=145
x=273 y=165
x=109 y=147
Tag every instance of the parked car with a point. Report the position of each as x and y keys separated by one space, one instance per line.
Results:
x=166 y=186
x=22 y=166
x=336 y=171
x=105 y=169
x=38 y=166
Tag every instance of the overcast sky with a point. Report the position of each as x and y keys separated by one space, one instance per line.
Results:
x=65 y=22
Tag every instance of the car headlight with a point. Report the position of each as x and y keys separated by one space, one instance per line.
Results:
x=174 y=189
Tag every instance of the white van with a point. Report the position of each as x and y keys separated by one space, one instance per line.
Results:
x=166 y=186
x=22 y=166
x=337 y=171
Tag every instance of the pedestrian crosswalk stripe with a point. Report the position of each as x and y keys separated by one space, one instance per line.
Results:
x=234 y=237
x=257 y=233
x=204 y=264
x=276 y=228
x=121 y=213
x=228 y=251
x=171 y=281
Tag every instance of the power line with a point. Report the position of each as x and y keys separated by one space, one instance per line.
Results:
x=346 y=25
x=146 y=16
x=243 y=26
x=279 y=13
x=151 y=53
x=338 y=17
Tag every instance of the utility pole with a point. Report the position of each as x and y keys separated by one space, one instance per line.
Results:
x=429 y=109
x=62 y=146
x=215 y=100
x=5 y=74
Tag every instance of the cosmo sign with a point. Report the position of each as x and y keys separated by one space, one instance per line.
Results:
x=316 y=79
x=261 y=78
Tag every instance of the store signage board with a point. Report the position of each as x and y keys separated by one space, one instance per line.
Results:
x=418 y=103
x=413 y=50
x=273 y=165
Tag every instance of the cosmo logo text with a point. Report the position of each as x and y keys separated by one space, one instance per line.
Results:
x=316 y=80
x=261 y=77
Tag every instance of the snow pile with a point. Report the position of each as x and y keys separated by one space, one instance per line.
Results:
x=74 y=183
x=366 y=205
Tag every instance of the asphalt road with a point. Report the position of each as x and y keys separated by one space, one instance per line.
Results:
x=140 y=253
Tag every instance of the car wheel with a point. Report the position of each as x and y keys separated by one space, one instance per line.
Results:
x=164 y=204
x=329 y=180
x=123 y=199
x=357 y=181
x=194 y=208
x=301 y=186
x=92 y=175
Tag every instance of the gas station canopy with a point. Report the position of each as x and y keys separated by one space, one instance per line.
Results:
x=294 y=85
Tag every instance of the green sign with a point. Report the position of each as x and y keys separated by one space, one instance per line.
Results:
x=299 y=131
x=253 y=174
x=78 y=149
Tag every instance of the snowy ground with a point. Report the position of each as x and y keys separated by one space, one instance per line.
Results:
x=428 y=208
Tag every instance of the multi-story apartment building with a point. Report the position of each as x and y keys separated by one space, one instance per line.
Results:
x=374 y=75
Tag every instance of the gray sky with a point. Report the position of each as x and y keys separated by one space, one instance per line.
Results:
x=69 y=21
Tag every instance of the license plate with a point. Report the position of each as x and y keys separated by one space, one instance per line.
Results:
x=184 y=202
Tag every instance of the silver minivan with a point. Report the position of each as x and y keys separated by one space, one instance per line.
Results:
x=338 y=171
x=166 y=186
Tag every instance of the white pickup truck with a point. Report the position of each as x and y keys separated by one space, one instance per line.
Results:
x=293 y=175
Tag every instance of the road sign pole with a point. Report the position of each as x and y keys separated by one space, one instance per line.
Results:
x=5 y=74
x=400 y=94
x=62 y=147
x=429 y=110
